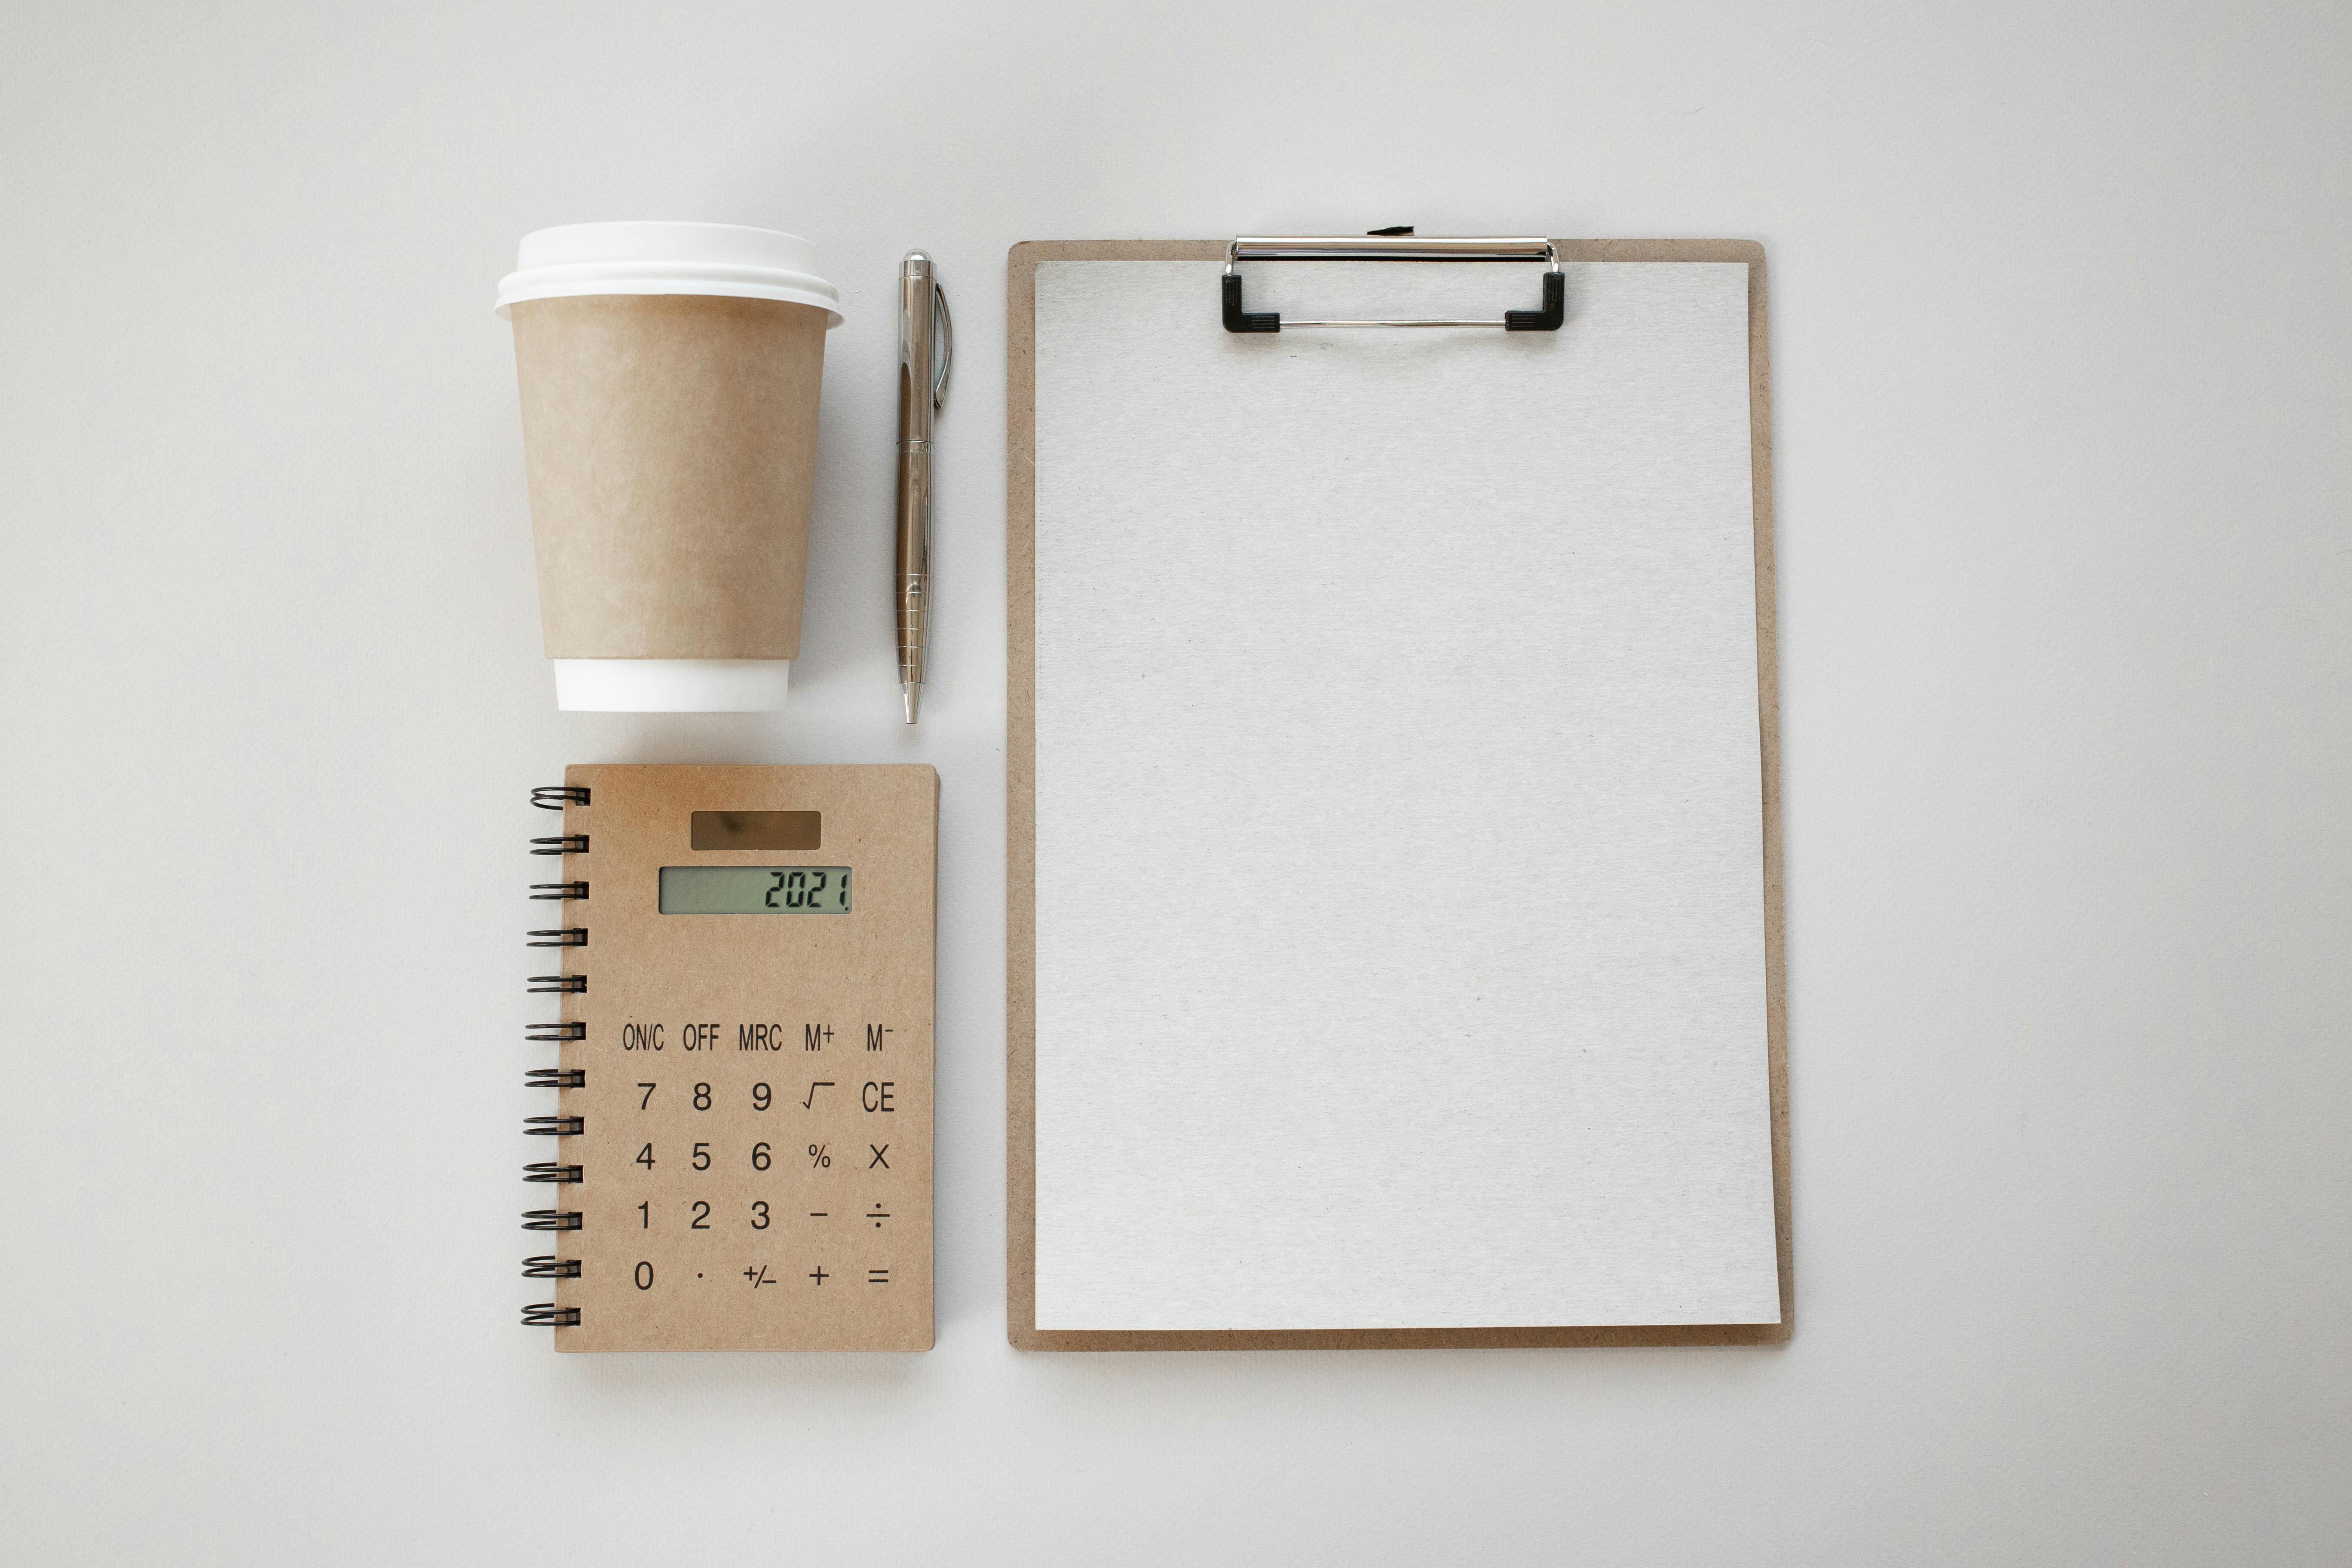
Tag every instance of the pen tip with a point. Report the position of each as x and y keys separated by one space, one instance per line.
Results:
x=913 y=694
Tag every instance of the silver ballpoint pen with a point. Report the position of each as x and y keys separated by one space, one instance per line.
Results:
x=926 y=348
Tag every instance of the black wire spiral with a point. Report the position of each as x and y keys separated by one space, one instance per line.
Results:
x=548 y=1314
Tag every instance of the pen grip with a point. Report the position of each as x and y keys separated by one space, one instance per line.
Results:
x=912 y=587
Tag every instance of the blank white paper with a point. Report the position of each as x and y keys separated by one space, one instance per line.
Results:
x=1399 y=838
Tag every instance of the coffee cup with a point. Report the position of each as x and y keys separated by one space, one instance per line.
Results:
x=669 y=375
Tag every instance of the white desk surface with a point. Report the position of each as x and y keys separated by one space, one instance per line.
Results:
x=2062 y=348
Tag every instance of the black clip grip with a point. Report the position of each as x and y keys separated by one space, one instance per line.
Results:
x=1240 y=321
x=1549 y=319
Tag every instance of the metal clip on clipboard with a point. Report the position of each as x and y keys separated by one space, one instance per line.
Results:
x=1395 y=245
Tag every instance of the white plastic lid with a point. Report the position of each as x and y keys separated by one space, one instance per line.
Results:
x=668 y=258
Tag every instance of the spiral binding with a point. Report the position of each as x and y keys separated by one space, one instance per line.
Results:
x=547 y=1266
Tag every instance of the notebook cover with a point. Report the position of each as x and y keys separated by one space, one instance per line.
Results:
x=733 y=1017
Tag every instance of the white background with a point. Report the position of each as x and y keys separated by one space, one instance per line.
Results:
x=2061 y=323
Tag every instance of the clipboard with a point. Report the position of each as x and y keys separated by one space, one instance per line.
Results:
x=1558 y=258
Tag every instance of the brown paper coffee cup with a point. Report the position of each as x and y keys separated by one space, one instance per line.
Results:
x=670 y=377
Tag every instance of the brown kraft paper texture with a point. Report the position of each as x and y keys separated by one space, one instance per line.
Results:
x=671 y=446
x=785 y=1176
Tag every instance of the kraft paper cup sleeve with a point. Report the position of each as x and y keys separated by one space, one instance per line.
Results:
x=671 y=444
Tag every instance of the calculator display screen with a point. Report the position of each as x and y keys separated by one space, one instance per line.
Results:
x=754 y=890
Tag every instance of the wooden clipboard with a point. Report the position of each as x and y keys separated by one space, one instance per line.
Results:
x=1021 y=1019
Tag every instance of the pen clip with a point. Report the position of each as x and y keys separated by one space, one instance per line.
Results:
x=947 y=341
